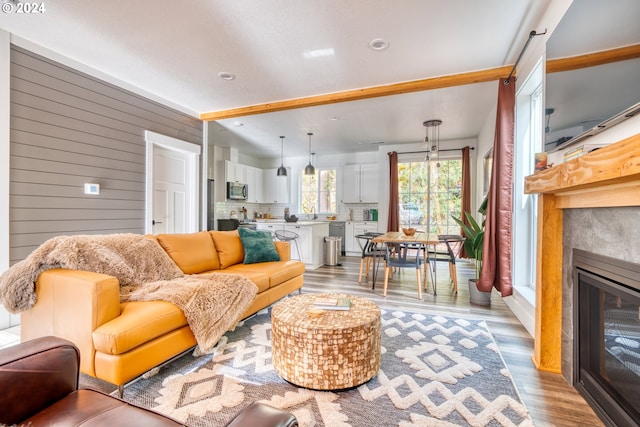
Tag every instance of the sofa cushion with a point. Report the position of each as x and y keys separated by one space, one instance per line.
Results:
x=193 y=252
x=258 y=246
x=92 y=408
x=258 y=278
x=277 y=272
x=138 y=323
x=229 y=247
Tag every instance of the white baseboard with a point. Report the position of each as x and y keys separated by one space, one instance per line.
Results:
x=522 y=304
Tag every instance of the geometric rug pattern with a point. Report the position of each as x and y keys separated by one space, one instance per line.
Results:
x=435 y=371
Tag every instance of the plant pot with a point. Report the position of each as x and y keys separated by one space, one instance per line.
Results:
x=478 y=297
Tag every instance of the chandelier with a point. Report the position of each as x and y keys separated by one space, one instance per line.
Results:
x=432 y=139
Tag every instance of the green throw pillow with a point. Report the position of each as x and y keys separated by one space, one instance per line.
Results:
x=258 y=246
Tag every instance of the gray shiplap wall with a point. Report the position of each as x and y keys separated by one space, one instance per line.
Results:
x=68 y=128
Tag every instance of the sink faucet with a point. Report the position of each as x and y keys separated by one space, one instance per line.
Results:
x=313 y=211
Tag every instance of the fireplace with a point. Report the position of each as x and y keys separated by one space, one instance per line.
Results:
x=606 y=299
x=590 y=203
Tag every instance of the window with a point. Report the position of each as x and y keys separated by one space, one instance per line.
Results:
x=429 y=195
x=318 y=192
x=529 y=140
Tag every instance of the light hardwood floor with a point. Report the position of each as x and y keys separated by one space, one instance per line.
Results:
x=550 y=400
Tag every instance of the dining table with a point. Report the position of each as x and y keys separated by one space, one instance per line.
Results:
x=426 y=239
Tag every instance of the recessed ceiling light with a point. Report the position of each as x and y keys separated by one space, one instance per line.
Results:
x=334 y=118
x=226 y=76
x=378 y=44
x=318 y=53
x=238 y=124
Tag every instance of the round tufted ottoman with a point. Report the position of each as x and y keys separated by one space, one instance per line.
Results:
x=330 y=350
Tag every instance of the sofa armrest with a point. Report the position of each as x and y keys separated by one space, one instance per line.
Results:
x=284 y=250
x=71 y=304
x=34 y=375
x=261 y=415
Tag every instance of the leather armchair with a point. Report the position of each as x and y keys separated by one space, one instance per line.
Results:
x=39 y=383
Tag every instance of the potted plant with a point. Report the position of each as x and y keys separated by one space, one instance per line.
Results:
x=473 y=245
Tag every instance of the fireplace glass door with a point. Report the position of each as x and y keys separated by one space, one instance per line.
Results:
x=609 y=348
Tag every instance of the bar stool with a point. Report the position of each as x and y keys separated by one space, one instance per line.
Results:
x=289 y=236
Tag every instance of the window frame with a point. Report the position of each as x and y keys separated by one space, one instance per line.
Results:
x=318 y=191
x=454 y=155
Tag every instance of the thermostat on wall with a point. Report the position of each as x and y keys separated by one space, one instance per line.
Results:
x=93 y=189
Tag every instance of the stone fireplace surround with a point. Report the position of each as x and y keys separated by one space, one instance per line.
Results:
x=612 y=232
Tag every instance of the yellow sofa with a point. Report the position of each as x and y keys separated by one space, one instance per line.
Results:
x=120 y=341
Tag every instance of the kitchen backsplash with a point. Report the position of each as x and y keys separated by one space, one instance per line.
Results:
x=276 y=210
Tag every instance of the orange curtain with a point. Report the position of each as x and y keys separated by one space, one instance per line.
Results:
x=466 y=191
x=393 y=222
x=497 y=251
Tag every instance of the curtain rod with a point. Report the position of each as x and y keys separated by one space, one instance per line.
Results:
x=427 y=151
x=532 y=34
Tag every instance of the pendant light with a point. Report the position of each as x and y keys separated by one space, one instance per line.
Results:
x=432 y=151
x=309 y=169
x=282 y=171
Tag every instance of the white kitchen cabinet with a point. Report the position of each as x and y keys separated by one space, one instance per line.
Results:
x=350 y=245
x=254 y=184
x=369 y=183
x=310 y=239
x=234 y=172
x=276 y=188
x=304 y=242
x=269 y=226
x=360 y=183
x=352 y=229
x=351 y=184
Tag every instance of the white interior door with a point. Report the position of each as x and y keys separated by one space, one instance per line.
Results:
x=172 y=185
x=170 y=188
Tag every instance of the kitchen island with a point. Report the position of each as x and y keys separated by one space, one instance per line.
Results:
x=310 y=239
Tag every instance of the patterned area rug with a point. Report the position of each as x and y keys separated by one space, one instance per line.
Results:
x=436 y=371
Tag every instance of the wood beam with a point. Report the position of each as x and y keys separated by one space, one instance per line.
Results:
x=593 y=59
x=482 y=76
x=364 y=93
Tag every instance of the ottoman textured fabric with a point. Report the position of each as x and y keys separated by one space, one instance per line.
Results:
x=332 y=351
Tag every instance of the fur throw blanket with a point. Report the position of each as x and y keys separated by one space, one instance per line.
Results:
x=212 y=304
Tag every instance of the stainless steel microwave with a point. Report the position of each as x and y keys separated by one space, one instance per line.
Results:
x=237 y=191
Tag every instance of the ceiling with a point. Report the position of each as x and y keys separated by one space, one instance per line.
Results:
x=175 y=50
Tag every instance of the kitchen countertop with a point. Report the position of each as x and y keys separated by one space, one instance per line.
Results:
x=282 y=221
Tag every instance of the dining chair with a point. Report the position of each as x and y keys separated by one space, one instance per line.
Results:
x=447 y=251
x=404 y=255
x=370 y=251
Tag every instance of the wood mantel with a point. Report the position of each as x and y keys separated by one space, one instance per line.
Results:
x=608 y=177
x=611 y=169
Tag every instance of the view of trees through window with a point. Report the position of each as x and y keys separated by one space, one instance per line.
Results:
x=319 y=192
x=427 y=191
